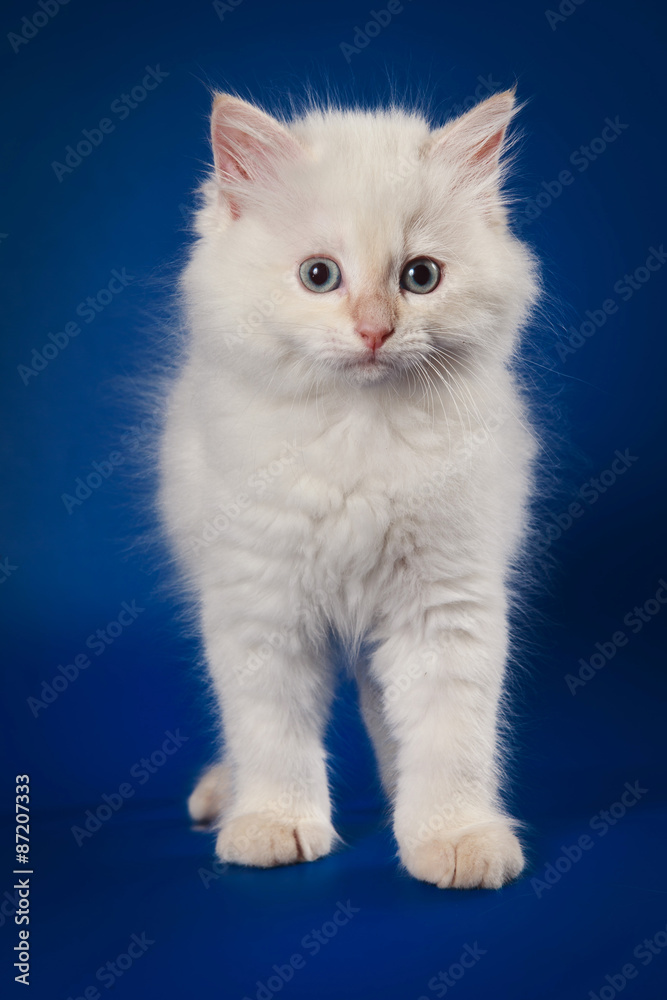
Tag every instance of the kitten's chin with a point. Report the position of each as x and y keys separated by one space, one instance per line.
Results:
x=366 y=370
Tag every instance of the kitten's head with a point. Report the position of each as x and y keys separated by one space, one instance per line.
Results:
x=356 y=246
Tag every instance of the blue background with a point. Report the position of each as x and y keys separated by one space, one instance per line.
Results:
x=126 y=206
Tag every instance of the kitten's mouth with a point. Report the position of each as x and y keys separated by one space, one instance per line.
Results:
x=370 y=361
x=371 y=366
x=363 y=366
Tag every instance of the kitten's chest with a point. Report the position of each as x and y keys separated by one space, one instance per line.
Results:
x=363 y=491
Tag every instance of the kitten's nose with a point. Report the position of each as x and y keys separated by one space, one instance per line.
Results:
x=374 y=336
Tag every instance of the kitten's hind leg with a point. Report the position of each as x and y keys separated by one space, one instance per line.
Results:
x=211 y=794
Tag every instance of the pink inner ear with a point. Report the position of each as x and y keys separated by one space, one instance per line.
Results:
x=225 y=163
x=233 y=146
x=489 y=151
x=246 y=141
x=477 y=137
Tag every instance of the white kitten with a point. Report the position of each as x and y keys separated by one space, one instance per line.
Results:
x=345 y=448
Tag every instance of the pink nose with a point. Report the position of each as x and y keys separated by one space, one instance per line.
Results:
x=374 y=336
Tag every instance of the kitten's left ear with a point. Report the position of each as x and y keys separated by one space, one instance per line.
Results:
x=247 y=146
x=476 y=139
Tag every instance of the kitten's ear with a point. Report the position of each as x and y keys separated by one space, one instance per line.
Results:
x=476 y=139
x=247 y=143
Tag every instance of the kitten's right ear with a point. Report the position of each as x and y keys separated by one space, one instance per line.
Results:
x=476 y=139
x=247 y=144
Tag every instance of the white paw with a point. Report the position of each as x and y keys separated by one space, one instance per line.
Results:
x=483 y=856
x=211 y=794
x=266 y=841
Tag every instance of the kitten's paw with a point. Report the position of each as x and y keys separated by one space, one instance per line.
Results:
x=484 y=856
x=266 y=841
x=211 y=794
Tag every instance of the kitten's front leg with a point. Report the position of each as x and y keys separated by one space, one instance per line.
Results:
x=441 y=703
x=274 y=692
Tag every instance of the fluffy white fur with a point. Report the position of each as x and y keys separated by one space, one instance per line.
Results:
x=309 y=484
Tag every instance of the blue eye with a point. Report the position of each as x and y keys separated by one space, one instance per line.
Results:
x=420 y=275
x=320 y=274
